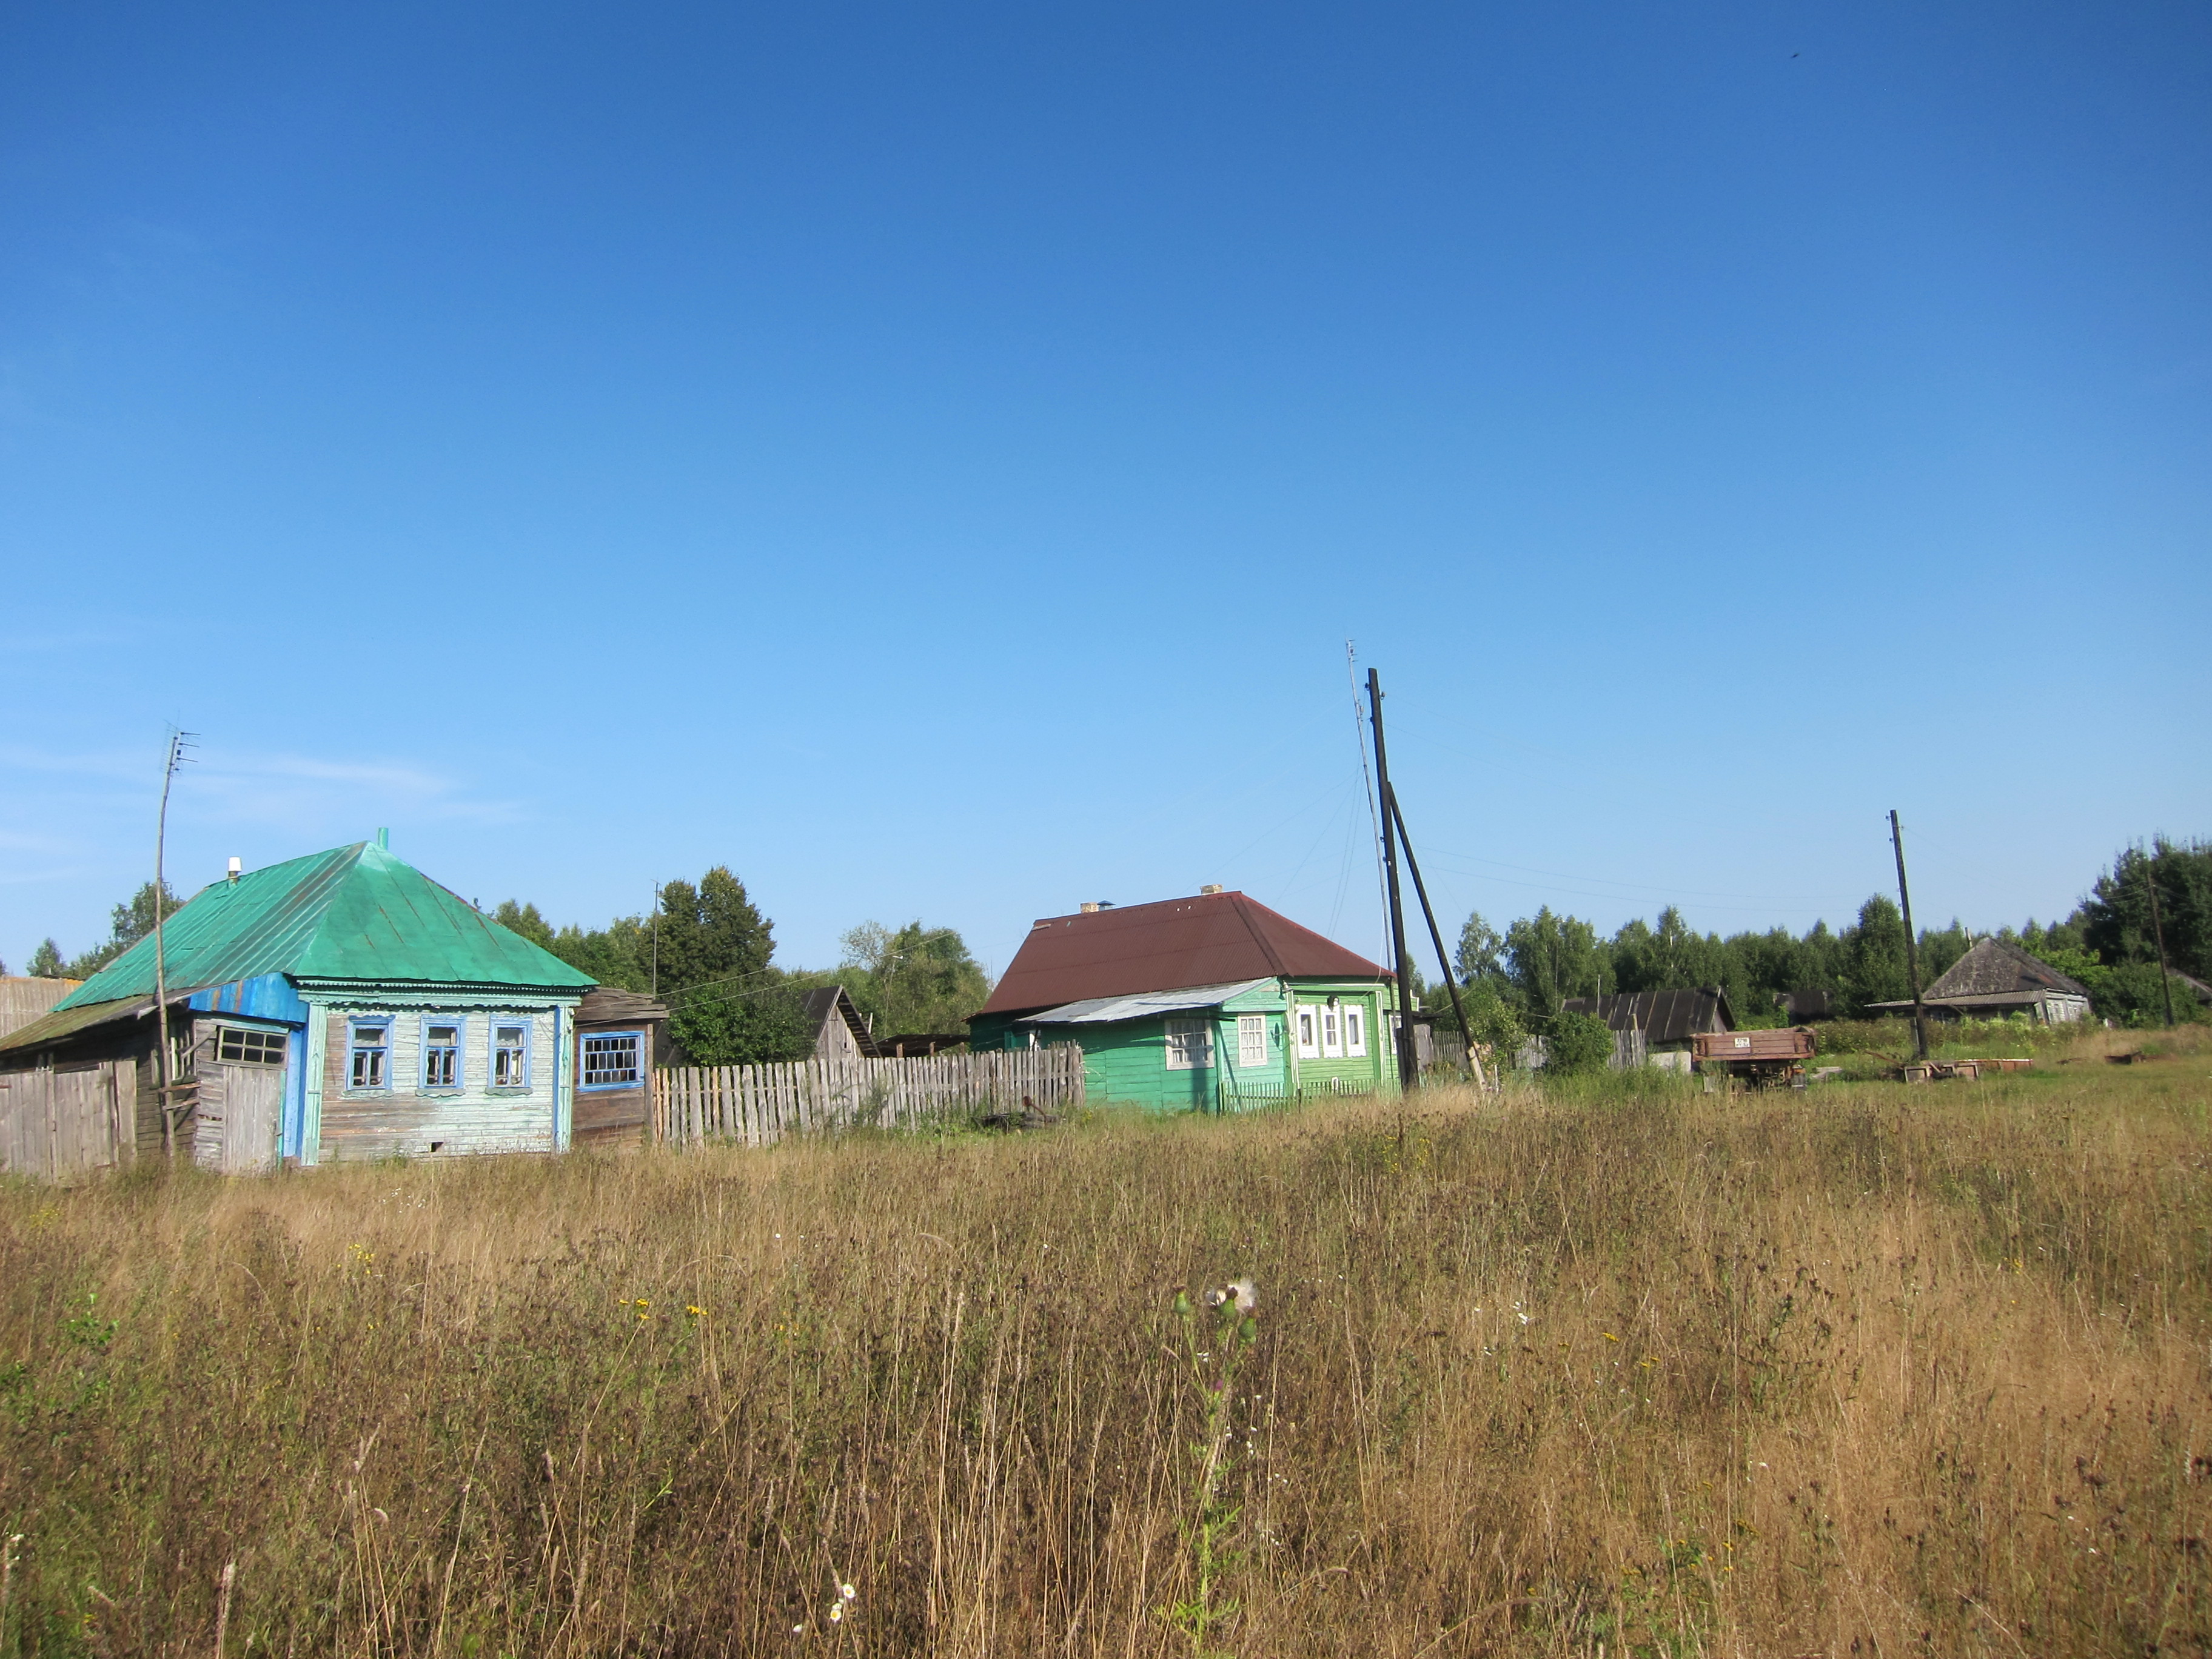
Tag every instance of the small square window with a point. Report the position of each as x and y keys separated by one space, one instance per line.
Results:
x=441 y=1057
x=372 y=1044
x=612 y=1060
x=510 y=1056
x=243 y=1047
x=1251 y=1040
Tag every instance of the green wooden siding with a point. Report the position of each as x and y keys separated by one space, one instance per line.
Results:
x=1125 y=1063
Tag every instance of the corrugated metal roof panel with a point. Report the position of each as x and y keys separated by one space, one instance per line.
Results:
x=1215 y=938
x=67 y=1022
x=353 y=913
x=1100 y=1010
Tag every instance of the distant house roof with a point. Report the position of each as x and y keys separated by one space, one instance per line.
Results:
x=828 y=1002
x=1996 y=968
x=353 y=913
x=68 y=1022
x=1808 y=1002
x=1102 y=1011
x=1214 y=938
x=1662 y=1016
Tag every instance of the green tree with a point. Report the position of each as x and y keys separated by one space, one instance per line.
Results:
x=47 y=961
x=1550 y=959
x=1576 y=1044
x=1874 y=966
x=2116 y=918
x=1481 y=953
x=916 y=979
x=524 y=919
x=727 y=1006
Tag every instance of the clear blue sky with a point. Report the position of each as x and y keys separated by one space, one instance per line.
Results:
x=931 y=458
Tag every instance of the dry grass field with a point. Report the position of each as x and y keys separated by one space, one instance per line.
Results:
x=1611 y=1371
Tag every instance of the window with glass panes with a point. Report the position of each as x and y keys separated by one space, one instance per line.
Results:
x=612 y=1060
x=510 y=1055
x=246 y=1048
x=441 y=1054
x=370 y=1050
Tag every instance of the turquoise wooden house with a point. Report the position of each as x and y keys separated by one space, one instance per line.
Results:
x=1212 y=1003
x=339 y=1006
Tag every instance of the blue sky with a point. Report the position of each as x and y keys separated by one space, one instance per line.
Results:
x=931 y=458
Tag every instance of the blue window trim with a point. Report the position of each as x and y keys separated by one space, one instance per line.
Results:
x=491 y=1050
x=582 y=1037
x=354 y=1024
x=459 y=1021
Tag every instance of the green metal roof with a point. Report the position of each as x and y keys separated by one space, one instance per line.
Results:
x=355 y=913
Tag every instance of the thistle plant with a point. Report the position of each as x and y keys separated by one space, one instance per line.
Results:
x=1211 y=1359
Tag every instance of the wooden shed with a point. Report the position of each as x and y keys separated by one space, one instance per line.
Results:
x=618 y=1042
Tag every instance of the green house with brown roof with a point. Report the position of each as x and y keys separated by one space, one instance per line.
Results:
x=340 y=1006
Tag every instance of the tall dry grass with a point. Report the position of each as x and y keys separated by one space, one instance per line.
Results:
x=1864 y=1369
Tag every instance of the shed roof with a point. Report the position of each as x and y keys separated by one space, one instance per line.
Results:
x=1102 y=1010
x=1995 y=967
x=68 y=1022
x=1662 y=1016
x=609 y=1004
x=827 y=1002
x=353 y=913
x=1213 y=939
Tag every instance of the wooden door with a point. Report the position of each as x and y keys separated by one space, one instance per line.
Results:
x=252 y=1110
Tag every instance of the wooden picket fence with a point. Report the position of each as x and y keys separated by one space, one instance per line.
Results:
x=758 y=1104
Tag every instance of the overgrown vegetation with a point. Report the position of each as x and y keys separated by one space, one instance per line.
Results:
x=707 y=952
x=1867 y=1369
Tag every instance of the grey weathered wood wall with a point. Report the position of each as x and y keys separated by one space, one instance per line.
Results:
x=62 y=1125
x=23 y=1001
x=757 y=1104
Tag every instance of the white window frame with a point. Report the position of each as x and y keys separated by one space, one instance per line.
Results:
x=1190 y=1045
x=636 y=1079
x=459 y=1048
x=1251 y=1040
x=380 y=1045
x=1308 y=1018
x=525 y=1025
x=1332 y=1033
x=1355 y=1030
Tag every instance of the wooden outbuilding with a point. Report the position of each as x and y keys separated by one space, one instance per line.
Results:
x=618 y=1042
x=1996 y=979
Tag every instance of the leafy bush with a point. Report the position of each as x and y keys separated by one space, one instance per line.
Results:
x=1577 y=1043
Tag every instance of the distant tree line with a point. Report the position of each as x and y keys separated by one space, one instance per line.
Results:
x=1516 y=982
x=707 y=953
x=128 y=923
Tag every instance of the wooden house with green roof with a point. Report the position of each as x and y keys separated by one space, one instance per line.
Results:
x=340 y=1006
x=1211 y=1003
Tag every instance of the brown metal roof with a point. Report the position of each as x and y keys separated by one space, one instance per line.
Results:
x=1210 y=940
x=1662 y=1016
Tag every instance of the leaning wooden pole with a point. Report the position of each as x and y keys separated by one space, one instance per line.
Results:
x=2158 y=933
x=1437 y=937
x=1409 y=1071
x=1912 y=940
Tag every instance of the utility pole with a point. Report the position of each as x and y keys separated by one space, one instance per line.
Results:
x=1912 y=940
x=165 y=1091
x=2158 y=933
x=1437 y=937
x=656 y=940
x=1408 y=1067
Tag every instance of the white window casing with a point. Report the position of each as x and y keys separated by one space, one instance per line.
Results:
x=1190 y=1045
x=1251 y=1040
x=1355 y=1031
x=1332 y=1034
x=1309 y=1031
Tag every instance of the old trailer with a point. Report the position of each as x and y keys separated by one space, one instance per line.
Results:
x=1766 y=1060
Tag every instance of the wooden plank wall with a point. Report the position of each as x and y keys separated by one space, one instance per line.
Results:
x=758 y=1104
x=62 y=1126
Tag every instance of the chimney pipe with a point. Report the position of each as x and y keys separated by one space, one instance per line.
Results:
x=1210 y=888
x=1088 y=906
x=236 y=865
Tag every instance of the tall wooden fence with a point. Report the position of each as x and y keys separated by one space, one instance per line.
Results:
x=757 y=1104
x=62 y=1125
